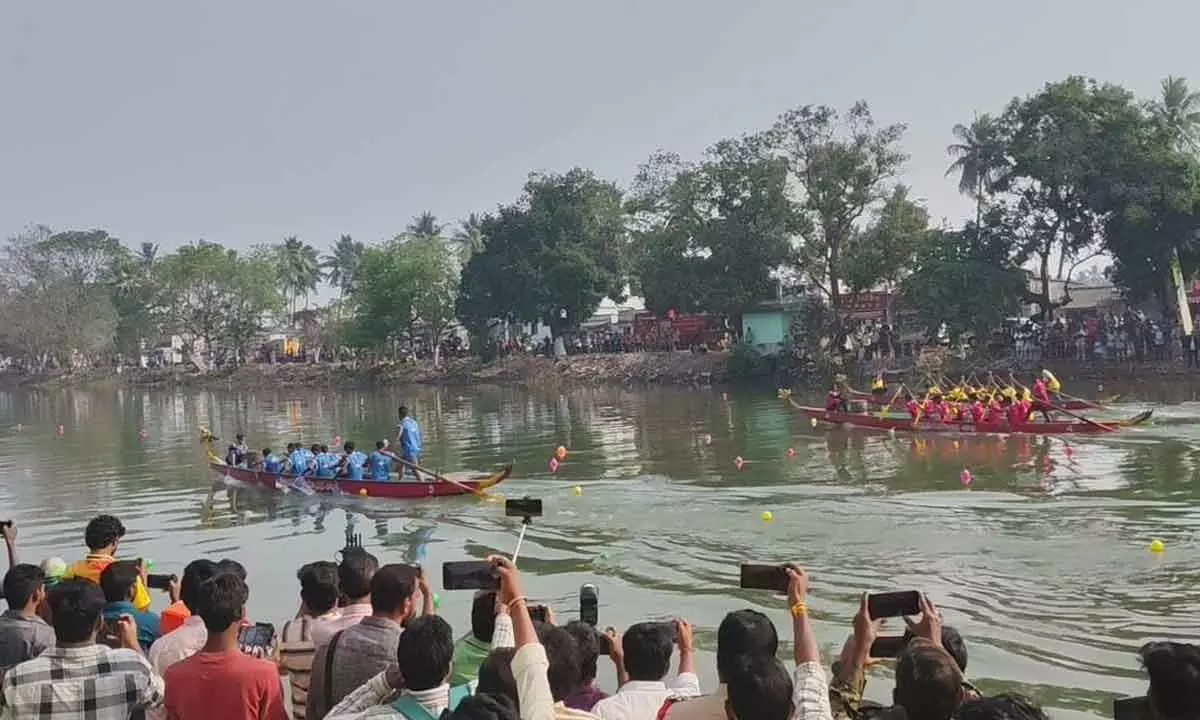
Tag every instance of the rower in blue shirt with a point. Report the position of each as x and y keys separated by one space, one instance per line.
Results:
x=271 y=462
x=298 y=460
x=380 y=463
x=327 y=463
x=408 y=437
x=353 y=462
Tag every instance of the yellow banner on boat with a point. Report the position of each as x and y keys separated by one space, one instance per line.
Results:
x=1185 y=310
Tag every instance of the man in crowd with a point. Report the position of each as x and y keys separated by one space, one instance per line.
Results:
x=758 y=688
x=1174 y=670
x=743 y=633
x=23 y=634
x=358 y=653
x=191 y=635
x=102 y=536
x=354 y=580
x=119 y=583
x=645 y=652
x=79 y=678
x=470 y=651
x=220 y=681
x=319 y=592
x=591 y=646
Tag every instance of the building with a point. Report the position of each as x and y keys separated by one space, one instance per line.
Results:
x=767 y=327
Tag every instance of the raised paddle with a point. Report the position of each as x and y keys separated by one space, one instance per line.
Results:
x=440 y=478
x=1069 y=413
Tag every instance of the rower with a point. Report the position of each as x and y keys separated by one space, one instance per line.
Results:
x=977 y=408
x=913 y=407
x=272 y=462
x=879 y=386
x=239 y=446
x=231 y=456
x=297 y=459
x=324 y=463
x=380 y=463
x=1053 y=386
x=352 y=462
x=1041 y=397
x=833 y=400
x=408 y=437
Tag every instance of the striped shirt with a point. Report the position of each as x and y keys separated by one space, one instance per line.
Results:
x=67 y=683
x=295 y=657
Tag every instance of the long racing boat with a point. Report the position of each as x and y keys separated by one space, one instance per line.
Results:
x=395 y=489
x=1074 y=405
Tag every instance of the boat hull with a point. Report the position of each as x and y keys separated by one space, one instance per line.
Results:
x=935 y=426
x=398 y=490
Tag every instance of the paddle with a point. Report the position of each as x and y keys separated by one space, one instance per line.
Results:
x=440 y=478
x=1069 y=413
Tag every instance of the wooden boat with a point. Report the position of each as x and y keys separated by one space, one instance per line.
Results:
x=402 y=490
x=906 y=424
x=1073 y=405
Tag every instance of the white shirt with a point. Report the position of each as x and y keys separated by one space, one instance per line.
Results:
x=179 y=644
x=641 y=699
x=350 y=616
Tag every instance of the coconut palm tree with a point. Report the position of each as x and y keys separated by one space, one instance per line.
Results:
x=148 y=255
x=979 y=160
x=341 y=265
x=425 y=225
x=299 y=269
x=1179 y=110
x=468 y=238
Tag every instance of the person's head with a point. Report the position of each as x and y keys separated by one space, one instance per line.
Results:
x=239 y=438
x=587 y=639
x=103 y=534
x=222 y=602
x=759 y=688
x=425 y=652
x=324 y=448
x=315 y=449
x=75 y=610
x=562 y=652
x=119 y=581
x=647 y=647
x=483 y=615
x=24 y=587
x=485 y=706
x=195 y=574
x=348 y=447
x=1001 y=707
x=379 y=445
x=291 y=447
x=496 y=676
x=928 y=682
x=232 y=566
x=266 y=452
x=402 y=411
x=1174 y=670
x=319 y=587
x=744 y=633
x=952 y=642
x=354 y=574
x=391 y=589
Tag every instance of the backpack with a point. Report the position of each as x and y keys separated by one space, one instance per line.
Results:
x=413 y=710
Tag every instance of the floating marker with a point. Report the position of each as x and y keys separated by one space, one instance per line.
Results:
x=362 y=491
x=560 y=453
x=767 y=516
x=1070 y=451
x=1157 y=546
x=577 y=491
x=707 y=439
x=553 y=465
x=812 y=421
x=791 y=452
x=60 y=430
x=965 y=476
x=738 y=462
x=955 y=442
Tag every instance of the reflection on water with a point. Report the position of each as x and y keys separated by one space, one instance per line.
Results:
x=1041 y=560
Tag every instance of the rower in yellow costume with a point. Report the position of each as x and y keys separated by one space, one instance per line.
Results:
x=878 y=385
x=1053 y=386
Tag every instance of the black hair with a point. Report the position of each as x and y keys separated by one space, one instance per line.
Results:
x=239 y=437
x=195 y=574
x=759 y=688
x=324 y=448
x=744 y=632
x=391 y=586
x=266 y=452
x=928 y=682
x=355 y=572
x=496 y=675
x=103 y=531
x=647 y=648
x=485 y=707
x=483 y=615
x=349 y=446
x=315 y=448
x=223 y=601
x=75 y=609
x=1174 y=670
x=1008 y=706
x=319 y=586
x=379 y=445
x=402 y=411
x=587 y=639
x=952 y=642
x=562 y=652
x=21 y=583
x=118 y=579
x=425 y=652
x=225 y=565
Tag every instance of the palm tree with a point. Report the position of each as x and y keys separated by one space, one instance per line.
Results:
x=1179 y=110
x=148 y=255
x=299 y=269
x=425 y=225
x=341 y=265
x=469 y=237
x=979 y=160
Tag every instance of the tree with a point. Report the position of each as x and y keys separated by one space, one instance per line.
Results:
x=552 y=256
x=342 y=265
x=299 y=268
x=886 y=250
x=468 y=238
x=425 y=225
x=1179 y=110
x=979 y=160
x=840 y=166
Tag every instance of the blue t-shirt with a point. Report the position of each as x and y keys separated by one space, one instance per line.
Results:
x=354 y=465
x=381 y=466
x=299 y=460
x=410 y=439
x=327 y=465
x=147 y=622
x=273 y=464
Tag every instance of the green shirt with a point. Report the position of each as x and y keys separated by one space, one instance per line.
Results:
x=469 y=654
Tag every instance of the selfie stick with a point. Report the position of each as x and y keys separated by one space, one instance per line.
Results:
x=521 y=538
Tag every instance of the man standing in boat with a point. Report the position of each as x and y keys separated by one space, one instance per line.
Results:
x=408 y=438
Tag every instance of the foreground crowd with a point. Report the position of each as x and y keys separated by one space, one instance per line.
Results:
x=80 y=641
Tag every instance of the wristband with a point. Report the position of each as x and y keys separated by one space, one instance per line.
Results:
x=799 y=610
x=514 y=601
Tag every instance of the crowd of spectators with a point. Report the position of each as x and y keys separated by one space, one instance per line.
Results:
x=79 y=641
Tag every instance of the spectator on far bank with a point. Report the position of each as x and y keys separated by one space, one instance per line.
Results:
x=188 y=638
x=470 y=651
x=354 y=580
x=1174 y=670
x=220 y=681
x=103 y=536
x=119 y=583
x=82 y=678
x=23 y=634
x=743 y=633
x=318 y=604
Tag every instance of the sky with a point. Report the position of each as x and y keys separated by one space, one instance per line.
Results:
x=245 y=122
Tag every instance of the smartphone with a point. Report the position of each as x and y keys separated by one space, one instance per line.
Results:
x=1131 y=708
x=523 y=507
x=6 y=523
x=469 y=575
x=257 y=639
x=539 y=613
x=765 y=577
x=888 y=647
x=589 y=604
x=894 y=604
x=159 y=581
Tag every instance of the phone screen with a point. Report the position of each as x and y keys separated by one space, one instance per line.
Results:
x=589 y=604
x=257 y=639
x=539 y=613
x=469 y=575
x=888 y=647
x=159 y=581
x=765 y=577
x=523 y=507
x=894 y=604
x=1134 y=708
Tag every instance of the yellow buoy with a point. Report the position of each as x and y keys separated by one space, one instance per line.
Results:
x=1157 y=546
x=812 y=421
x=767 y=516
x=577 y=490
x=362 y=491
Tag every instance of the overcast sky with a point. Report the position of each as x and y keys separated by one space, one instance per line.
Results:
x=244 y=122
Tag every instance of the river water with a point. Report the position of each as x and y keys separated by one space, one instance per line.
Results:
x=1042 y=561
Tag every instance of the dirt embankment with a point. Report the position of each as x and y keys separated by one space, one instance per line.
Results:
x=579 y=370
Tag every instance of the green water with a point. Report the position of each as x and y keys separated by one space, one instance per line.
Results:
x=1042 y=562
